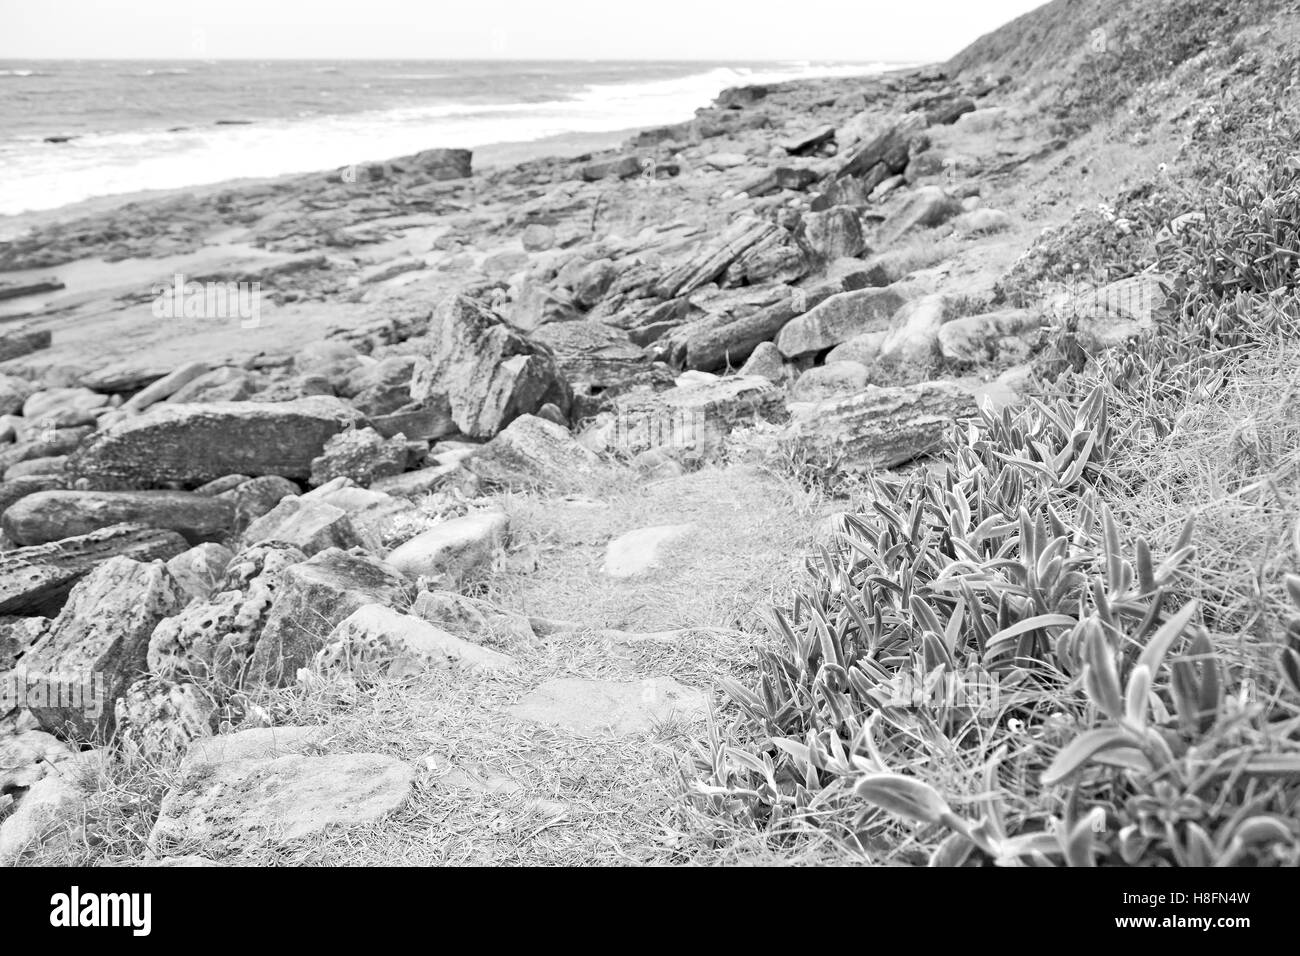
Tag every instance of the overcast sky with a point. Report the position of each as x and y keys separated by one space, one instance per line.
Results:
x=526 y=29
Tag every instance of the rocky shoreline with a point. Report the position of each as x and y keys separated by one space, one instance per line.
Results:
x=199 y=508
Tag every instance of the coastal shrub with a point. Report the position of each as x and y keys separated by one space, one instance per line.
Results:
x=1077 y=640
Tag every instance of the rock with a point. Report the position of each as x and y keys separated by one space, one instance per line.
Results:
x=838 y=319
x=383 y=271
x=879 y=427
x=693 y=419
x=375 y=641
x=381 y=388
x=459 y=547
x=807 y=141
x=256 y=496
x=254 y=743
x=199 y=569
x=834 y=379
x=373 y=513
x=593 y=708
x=1116 y=312
x=37 y=579
x=414 y=484
x=982 y=222
x=593 y=354
x=226 y=384
x=620 y=167
x=488 y=373
x=14 y=391
x=708 y=261
x=220 y=807
x=54 y=465
x=927 y=207
x=20 y=486
x=835 y=233
x=211 y=641
x=96 y=647
x=636 y=552
x=914 y=331
x=593 y=282
x=47 y=815
x=862 y=349
x=881 y=156
x=52 y=515
x=765 y=361
x=196 y=443
x=533 y=453
x=471 y=617
x=1003 y=337
x=313 y=597
x=20 y=341
x=309 y=526
x=165 y=387
x=726 y=160
x=438 y=165
x=28 y=757
x=17 y=634
x=537 y=237
x=64 y=407
x=160 y=718
x=417 y=421
x=361 y=454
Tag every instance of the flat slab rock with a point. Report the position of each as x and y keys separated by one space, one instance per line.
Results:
x=639 y=551
x=593 y=708
x=238 y=792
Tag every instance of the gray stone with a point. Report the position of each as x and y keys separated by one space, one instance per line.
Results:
x=533 y=453
x=376 y=641
x=834 y=379
x=198 y=570
x=592 y=708
x=637 y=552
x=460 y=547
x=313 y=597
x=97 y=646
x=52 y=515
x=361 y=454
x=196 y=443
x=840 y=318
x=159 y=718
x=835 y=232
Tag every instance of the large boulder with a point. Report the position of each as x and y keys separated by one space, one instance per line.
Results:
x=51 y=515
x=1004 y=337
x=196 y=443
x=835 y=233
x=489 y=373
x=313 y=597
x=838 y=319
x=309 y=525
x=361 y=454
x=97 y=646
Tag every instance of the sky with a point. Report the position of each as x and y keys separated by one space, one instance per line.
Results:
x=853 y=30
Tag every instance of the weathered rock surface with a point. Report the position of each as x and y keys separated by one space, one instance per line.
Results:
x=313 y=597
x=52 y=515
x=97 y=645
x=310 y=526
x=1004 y=337
x=198 y=570
x=879 y=427
x=160 y=718
x=693 y=419
x=361 y=454
x=838 y=319
x=488 y=373
x=471 y=617
x=375 y=641
x=639 y=551
x=212 y=640
x=533 y=453
x=36 y=580
x=196 y=443
x=592 y=708
x=459 y=547
x=928 y=206
x=29 y=756
x=832 y=380
x=220 y=807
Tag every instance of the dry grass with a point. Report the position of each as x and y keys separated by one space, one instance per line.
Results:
x=1232 y=461
x=494 y=789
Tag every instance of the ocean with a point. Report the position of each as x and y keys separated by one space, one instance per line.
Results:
x=75 y=129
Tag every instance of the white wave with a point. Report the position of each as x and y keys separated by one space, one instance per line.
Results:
x=44 y=176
